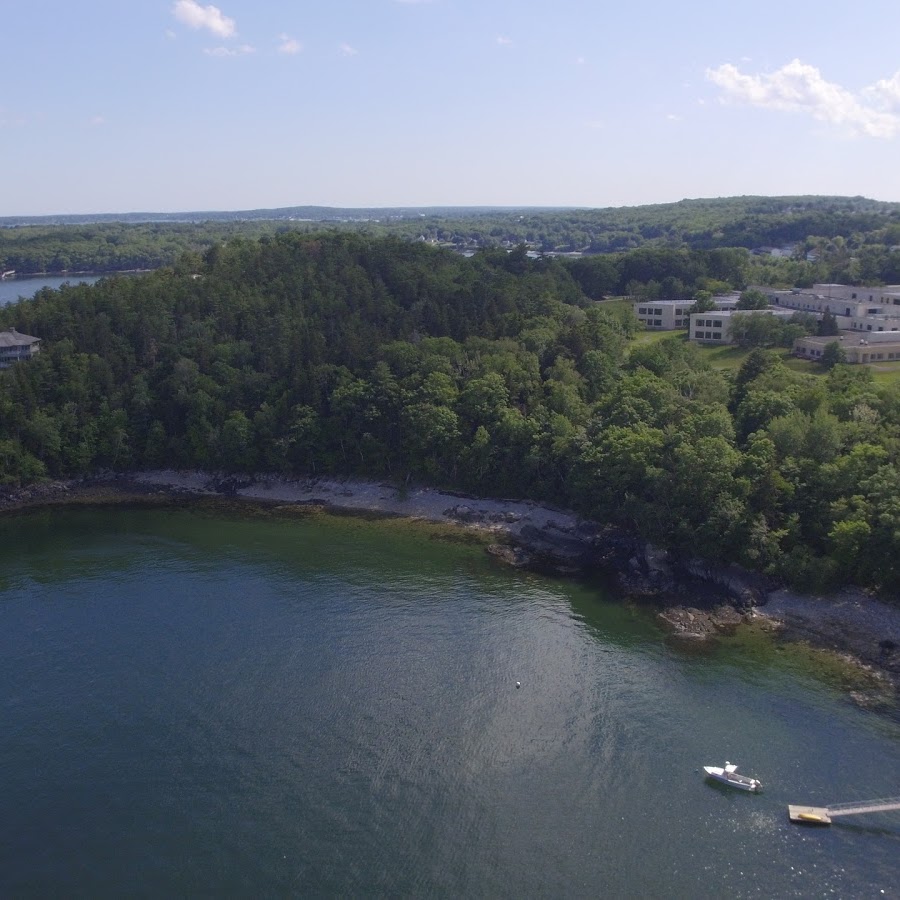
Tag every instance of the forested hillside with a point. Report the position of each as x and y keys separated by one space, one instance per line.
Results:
x=833 y=238
x=498 y=375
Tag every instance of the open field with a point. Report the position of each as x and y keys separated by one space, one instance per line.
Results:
x=730 y=358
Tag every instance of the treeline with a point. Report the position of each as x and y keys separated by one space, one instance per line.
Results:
x=848 y=239
x=498 y=375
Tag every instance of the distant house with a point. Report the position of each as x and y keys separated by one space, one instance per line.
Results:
x=15 y=347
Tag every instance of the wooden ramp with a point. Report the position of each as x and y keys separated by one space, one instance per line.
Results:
x=822 y=815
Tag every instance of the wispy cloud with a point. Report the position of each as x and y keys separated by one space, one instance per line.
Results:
x=347 y=50
x=503 y=41
x=800 y=87
x=222 y=52
x=211 y=18
x=413 y=2
x=288 y=45
x=97 y=120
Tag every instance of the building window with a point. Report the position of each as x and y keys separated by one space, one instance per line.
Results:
x=717 y=335
x=642 y=310
x=717 y=323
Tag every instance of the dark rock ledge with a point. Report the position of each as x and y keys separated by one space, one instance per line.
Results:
x=696 y=599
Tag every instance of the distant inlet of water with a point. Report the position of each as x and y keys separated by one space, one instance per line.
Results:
x=202 y=704
x=12 y=289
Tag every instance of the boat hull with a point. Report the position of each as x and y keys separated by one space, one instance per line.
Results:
x=732 y=779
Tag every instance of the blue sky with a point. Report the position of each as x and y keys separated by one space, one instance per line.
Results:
x=169 y=105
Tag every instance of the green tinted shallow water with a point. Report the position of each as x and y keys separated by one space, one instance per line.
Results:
x=195 y=704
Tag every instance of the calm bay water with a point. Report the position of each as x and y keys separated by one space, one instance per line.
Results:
x=194 y=704
x=11 y=289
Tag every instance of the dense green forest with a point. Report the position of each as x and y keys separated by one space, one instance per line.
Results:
x=847 y=239
x=498 y=374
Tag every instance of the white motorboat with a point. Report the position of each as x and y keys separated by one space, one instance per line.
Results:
x=728 y=774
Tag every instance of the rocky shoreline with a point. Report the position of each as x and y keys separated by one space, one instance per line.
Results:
x=697 y=601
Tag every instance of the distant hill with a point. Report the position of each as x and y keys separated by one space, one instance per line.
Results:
x=282 y=214
x=713 y=210
x=118 y=241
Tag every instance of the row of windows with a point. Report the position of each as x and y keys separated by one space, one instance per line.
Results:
x=709 y=323
x=658 y=323
x=870 y=357
x=650 y=311
x=708 y=335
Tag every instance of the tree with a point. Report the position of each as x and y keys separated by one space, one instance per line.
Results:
x=753 y=299
x=703 y=302
x=828 y=325
x=832 y=354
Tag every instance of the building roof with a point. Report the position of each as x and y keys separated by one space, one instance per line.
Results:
x=852 y=339
x=13 y=338
x=729 y=313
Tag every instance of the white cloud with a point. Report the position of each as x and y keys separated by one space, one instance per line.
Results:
x=799 y=87
x=413 y=2
x=97 y=120
x=886 y=92
x=222 y=52
x=672 y=117
x=288 y=45
x=192 y=14
x=503 y=41
x=580 y=60
x=347 y=50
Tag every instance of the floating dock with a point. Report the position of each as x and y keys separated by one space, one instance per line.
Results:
x=809 y=815
x=822 y=815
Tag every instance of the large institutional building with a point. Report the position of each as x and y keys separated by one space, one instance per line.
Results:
x=867 y=318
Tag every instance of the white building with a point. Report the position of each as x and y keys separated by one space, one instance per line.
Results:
x=668 y=315
x=842 y=301
x=715 y=327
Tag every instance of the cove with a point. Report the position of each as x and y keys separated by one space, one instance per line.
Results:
x=201 y=703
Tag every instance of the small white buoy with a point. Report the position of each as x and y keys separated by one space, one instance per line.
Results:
x=518 y=684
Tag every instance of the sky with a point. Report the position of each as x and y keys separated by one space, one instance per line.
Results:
x=178 y=105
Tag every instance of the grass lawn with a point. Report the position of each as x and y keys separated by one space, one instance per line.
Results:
x=886 y=373
x=729 y=359
x=655 y=337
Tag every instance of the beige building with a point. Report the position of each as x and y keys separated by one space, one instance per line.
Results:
x=873 y=348
x=15 y=346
